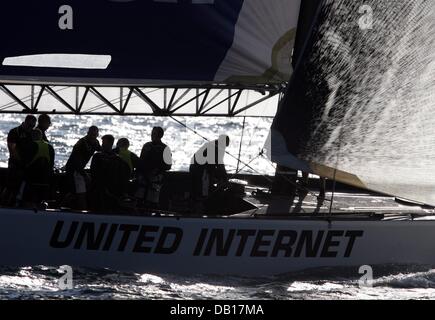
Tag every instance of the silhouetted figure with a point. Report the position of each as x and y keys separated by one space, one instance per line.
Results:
x=130 y=162
x=38 y=157
x=130 y=158
x=106 y=177
x=44 y=122
x=156 y=159
x=18 y=139
x=82 y=152
x=207 y=171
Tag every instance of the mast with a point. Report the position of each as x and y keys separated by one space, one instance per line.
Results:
x=286 y=177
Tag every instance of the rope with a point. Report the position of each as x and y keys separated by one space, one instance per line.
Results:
x=240 y=146
x=237 y=172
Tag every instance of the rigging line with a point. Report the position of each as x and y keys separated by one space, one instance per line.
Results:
x=333 y=192
x=259 y=119
x=241 y=141
x=250 y=161
x=245 y=165
x=334 y=177
x=234 y=157
x=335 y=169
x=255 y=128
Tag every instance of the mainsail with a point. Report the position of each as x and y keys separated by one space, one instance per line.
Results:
x=361 y=104
x=148 y=42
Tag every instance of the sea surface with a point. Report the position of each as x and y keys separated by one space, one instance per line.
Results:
x=42 y=282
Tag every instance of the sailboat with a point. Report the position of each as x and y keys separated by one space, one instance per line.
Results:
x=354 y=79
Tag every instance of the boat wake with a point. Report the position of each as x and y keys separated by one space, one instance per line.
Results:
x=418 y=280
x=42 y=283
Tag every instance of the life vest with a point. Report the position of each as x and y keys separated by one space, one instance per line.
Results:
x=42 y=153
x=125 y=155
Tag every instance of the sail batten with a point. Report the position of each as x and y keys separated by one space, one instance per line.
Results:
x=362 y=99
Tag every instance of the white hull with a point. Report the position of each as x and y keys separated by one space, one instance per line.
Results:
x=250 y=246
